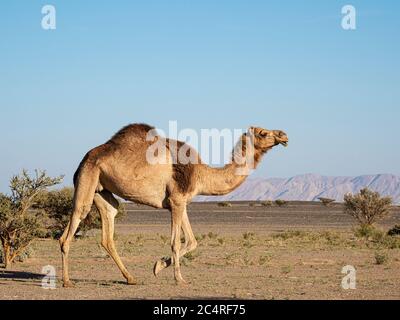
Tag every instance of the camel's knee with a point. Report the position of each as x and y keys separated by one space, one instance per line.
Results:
x=192 y=245
x=176 y=248
x=176 y=244
x=64 y=246
x=83 y=211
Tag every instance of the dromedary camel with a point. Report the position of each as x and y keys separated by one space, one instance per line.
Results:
x=121 y=167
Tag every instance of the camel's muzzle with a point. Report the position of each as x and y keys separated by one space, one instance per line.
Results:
x=282 y=139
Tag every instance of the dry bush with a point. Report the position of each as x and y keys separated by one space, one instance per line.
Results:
x=381 y=258
x=267 y=203
x=249 y=236
x=19 y=224
x=376 y=238
x=367 y=207
x=225 y=204
x=280 y=202
x=326 y=201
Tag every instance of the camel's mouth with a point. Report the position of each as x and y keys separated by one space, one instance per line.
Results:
x=284 y=143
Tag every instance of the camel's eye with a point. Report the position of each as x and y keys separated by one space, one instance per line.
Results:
x=263 y=134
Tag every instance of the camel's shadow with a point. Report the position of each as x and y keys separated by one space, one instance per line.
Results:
x=29 y=277
x=20 y=275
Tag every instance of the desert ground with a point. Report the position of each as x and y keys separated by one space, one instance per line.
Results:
x=246 y=251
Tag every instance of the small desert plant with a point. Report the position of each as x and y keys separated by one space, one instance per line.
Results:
x=19 y=224
x=287 y=269
x=252 y=204
x=381 y=258
x=367 y=207
x=212 y=235
x=377 y=237
x=280 y=202
x=267 y=203
x=248 y=244
x=200 y=238
x=247 y=261
x=366 y=231
x=249 y=236
x=289 y=234
x=263 y=260
x=190 y=256
x=164 y=239
x=225 y=204
x=326 y=201
x=221 y=241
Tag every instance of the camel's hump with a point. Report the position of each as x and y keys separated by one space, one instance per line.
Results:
x=137 y=130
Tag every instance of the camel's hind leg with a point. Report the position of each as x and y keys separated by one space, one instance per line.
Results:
x=83 y=200
x=108 y=208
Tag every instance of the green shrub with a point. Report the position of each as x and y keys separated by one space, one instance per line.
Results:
x=289 y=234
x=267 y=203
x=326 y=201
x=381 y=258
x=280 y=202
x=367 y=207
x=366 y=231
x=225 y=204
x=377 y=237
x=20 y=223
x=249 y=236
x=212 y=235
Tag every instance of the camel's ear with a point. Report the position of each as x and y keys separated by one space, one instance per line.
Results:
x=253 y=130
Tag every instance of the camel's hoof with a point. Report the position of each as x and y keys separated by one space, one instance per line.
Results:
x=68 y=284
x=158 y=267
x=132 y=282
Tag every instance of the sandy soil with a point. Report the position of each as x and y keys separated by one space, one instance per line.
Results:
x=245 y=252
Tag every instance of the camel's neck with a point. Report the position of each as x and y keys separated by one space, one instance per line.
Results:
x=221 y=181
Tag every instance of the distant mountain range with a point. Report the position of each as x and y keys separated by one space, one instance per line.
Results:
x=310 y=187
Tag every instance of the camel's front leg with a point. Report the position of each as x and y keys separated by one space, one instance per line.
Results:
x=190 y=245
x=177 y=211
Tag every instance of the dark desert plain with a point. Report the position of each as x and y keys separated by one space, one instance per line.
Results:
x=246 y=251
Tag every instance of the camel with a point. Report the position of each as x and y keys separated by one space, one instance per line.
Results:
x=120 y=167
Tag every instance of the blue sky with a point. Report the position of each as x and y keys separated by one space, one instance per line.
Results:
x=207 y=64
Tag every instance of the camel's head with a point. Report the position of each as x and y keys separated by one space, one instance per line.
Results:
x=265 y=139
